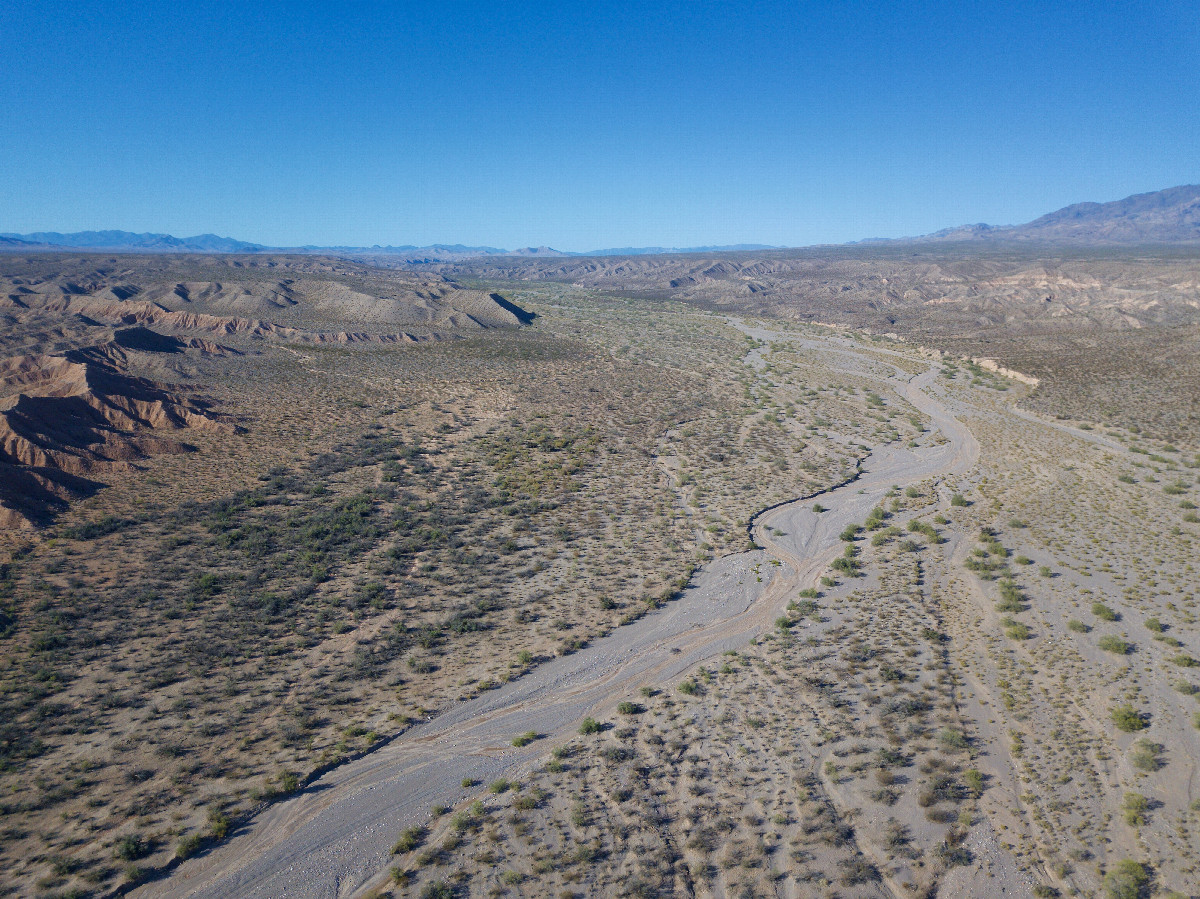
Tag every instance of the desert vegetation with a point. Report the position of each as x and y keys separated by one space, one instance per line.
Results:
x=987 y=685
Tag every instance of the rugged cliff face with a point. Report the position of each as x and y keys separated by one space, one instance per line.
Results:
x=66 y=418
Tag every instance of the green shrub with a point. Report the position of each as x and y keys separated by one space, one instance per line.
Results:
x=1109 y=643
x=974 y=781
x=1127 y=880
x=1183 y=660
x=1145 y=755
x=1016 y=630
x=437 y=890
x=952 y=739
x=959 y=500
x=590 y=726
x=630 y=708
x=525 y=739
x=1104 y=613
x=189 y=846
x=1128 y=719
x=410 y=838
x=1077 y=626
x=218 y=824
x=130 y=847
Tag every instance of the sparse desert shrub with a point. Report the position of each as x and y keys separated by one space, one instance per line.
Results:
x=1016 y=630
x=1133 y=809
x=589 y=726
x=1078 y=626
x=952 y=739
x=1110 y=643
x=527 y=802
x=525 y=739
x=953 y=856
x=1145 y=755
x=1104 y=613
x=189 y=845
x=959 y=500
x=130 y=848
x=857 y=870
x=218 y=823
x=410 y=838
x=689 y=687
x=1127 y=880
x=806 y=608
x=1128 y=719
x=630 y=708
x=1183 y=660
x=437 y=890
x=974 y=782
x=1153 y=624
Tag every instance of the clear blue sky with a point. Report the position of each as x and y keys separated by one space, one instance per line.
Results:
x=584 y=125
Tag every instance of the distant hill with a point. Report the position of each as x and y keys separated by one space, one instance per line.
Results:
x=129 y=241
x=15 y=243
x=663 y=251
x=1170 y=216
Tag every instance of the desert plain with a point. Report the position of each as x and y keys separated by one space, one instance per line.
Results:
x=860 y=571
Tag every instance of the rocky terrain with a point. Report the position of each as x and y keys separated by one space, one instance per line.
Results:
x=85 y=383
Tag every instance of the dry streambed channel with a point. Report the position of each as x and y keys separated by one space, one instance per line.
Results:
x=334 y=838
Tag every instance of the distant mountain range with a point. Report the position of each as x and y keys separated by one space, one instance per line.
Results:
x=1170 y=216
x=129 y=241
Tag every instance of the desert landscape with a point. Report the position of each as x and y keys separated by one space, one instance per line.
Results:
x=860 y=571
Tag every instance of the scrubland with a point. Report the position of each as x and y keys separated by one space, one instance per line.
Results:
x=990 y=691
x=209 y=631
